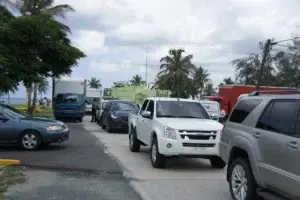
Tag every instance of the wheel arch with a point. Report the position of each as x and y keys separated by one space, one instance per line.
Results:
x=27 y=130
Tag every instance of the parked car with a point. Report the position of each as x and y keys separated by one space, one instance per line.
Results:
x=174 y=127
x=27 y=131
x=261 y=145
x=212 y=108
x=115 y=115
x=99 y=112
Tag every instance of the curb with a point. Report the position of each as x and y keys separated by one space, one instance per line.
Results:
x=9 y=162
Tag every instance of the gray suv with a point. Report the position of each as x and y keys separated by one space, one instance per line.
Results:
x=260 y=143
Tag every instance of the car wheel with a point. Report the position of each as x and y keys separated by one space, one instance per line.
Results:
x=134 y=143
x=30 y=140
x=80 y=120
x=217 y=162
x=109 y=128
x=242 y=184
x=100 y=122
x=157 y=160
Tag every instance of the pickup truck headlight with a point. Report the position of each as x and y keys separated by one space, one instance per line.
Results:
x=170 y=133
x=54 y=128
x=113 y=116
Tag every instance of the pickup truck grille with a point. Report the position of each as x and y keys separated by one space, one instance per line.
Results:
x=197 y=145
x=198 y=135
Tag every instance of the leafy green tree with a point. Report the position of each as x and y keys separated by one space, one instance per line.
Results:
x=94 y=83
x=137 y=80
x=35 y=46
x=199 y=80
x=175 y=70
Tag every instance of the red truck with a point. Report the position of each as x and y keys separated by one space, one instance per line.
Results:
x=228 y=94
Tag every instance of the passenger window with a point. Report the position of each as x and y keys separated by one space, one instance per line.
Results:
x=280 y=117
x=243 y=109
x=151 y=107
x=144 y=106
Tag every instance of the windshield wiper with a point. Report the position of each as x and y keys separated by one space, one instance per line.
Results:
x=188 y=117
x=169 y=116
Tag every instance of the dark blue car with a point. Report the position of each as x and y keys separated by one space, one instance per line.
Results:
x=27 y=131
x=115 y=114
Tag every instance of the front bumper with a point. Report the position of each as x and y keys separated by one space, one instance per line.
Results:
x=119 y=124
x=56 y=137
x=180 y=147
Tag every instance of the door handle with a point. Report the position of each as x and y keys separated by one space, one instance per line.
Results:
x=293 y=145
x=256 y=135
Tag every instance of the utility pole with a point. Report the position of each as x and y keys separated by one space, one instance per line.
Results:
x=267 y=49
x=146 y=77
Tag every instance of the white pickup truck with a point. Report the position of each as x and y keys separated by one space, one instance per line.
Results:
x=174 y=127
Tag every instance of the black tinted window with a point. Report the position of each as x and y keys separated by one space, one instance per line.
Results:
x=280 y=116
x=180 y=109
x=144 y=105
x=151 y=107
x=243 y=109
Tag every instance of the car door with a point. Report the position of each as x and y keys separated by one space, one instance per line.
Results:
x=147 y=123
x=273 y=133
x=105 y=113
x=140 y=119
x=6 y=128
x=292 y=161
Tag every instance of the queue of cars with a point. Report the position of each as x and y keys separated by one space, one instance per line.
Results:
x=259 y=142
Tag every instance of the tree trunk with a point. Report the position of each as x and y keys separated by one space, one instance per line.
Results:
x=29 y=93
x=35 y=92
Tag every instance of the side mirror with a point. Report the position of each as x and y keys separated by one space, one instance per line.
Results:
x=146 y=114
x=214 y=117
x=3 y=118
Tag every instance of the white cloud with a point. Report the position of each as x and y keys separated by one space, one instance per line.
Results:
x=91 y=42
x=230 y=28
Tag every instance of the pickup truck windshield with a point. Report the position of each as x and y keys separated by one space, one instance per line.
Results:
x=69 y=98
x=124 y=106
x=211 y=107
x=180 y=109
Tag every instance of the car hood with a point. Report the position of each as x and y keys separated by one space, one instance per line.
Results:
x=191 y=124
x=122 y=113
x=40 y=120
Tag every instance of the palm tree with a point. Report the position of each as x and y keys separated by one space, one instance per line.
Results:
x=209 y=89
x=43 y=86
x=30 y=7
x=137 y=80
x=94 y=83
x=200 y=79
x=177 y=68
x=227 y=81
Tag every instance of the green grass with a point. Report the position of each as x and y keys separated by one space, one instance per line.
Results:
x=48 y=113
x=9 y=175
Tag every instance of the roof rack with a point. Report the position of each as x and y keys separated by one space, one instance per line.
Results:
x=257 y=93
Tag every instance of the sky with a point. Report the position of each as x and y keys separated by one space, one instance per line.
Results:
x=114 y=34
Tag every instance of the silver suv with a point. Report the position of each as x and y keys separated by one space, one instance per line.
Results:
x=261 y=145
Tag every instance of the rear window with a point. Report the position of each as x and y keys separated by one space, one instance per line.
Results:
x=243 y=109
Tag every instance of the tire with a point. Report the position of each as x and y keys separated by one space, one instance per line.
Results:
x=157 y=160
x=217 y=162
x=80 y=120
x=109 y=128
x=240 y=164
x=30 y=141
x=134 y=143
x=100 y=122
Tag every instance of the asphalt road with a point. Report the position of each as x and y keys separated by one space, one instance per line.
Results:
x=81 y=152
x=192 y=179
x=78 y=169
